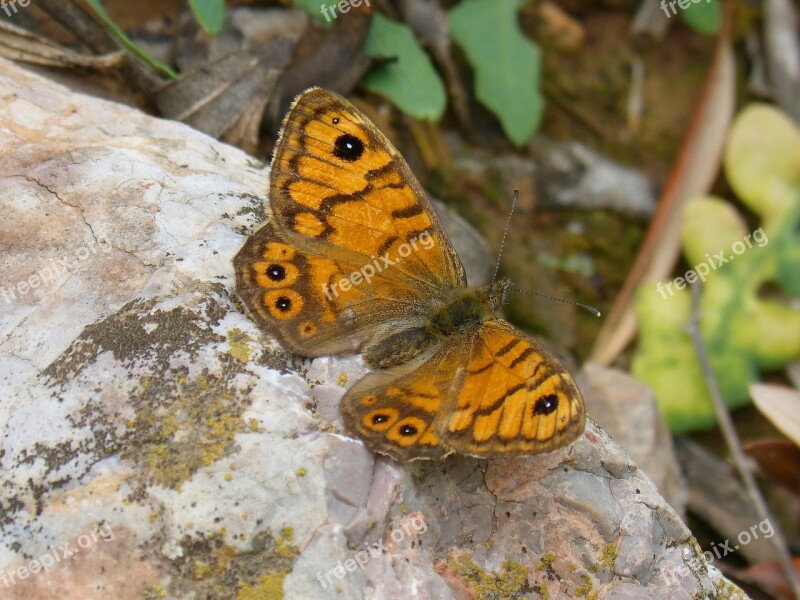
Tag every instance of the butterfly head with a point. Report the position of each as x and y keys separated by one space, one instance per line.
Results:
x=497 y=294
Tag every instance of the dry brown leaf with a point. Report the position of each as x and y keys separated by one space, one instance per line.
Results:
x=779 y=460
x=770 y=577
x=19 y=44
x=781 y=405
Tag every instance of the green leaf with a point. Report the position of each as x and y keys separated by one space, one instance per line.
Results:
x=210 y=14
x=407 y=78
x=744 y=332
x=314 y=8
x=704 y=16
x=507 y=64
x=126 y=41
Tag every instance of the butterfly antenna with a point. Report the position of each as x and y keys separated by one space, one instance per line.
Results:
x=588 y=307
x=505 y=233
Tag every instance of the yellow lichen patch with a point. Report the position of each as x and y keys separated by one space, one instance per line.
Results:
x=192 y=426
x=211 y=569
x=202 y=570
x=511 y=582
x=342 y=379
x=587 y=589
x=270 y=588
x=608 y=557
x=301 y=472
x=154 y=592
x=547 y=560
x=237 y=340
x=284 y=543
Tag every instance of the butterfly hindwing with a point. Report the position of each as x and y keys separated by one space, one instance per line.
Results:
x=492 y=391
x=397 y=411
x=290 y=291
x=515 y=397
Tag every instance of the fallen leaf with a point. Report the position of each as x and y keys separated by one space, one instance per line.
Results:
x=779 y=460
x=781 y=405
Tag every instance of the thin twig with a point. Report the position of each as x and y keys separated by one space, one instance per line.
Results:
x=732 y=439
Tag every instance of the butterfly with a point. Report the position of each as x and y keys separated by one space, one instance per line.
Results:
x=355 y=260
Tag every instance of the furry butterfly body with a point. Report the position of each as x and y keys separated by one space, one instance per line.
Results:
x=355 y=259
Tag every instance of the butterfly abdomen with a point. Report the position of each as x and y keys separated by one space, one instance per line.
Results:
x=398 y=348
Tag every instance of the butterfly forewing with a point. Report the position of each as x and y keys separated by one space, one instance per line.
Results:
x=338 y=182
x=515 y=397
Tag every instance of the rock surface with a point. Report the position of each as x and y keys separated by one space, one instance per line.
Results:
x=627 y=410
x=156 y=444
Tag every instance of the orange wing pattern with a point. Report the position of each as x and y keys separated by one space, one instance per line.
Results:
x=336 y=180
x=489 y=392
x=355 y=250
x=516 y=397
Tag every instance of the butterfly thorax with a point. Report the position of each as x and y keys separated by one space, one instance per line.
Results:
x=468 y=309
x=464 y=312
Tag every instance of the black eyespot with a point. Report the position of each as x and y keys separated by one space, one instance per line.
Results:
x=335 y=120
x=308 y=329
x=378 y=419
x=348 y=147
x=283 y=304
x=276 y=272
x=546 y=405
x=408 y=430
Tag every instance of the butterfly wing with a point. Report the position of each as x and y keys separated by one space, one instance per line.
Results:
x=515 y=397
x=355 y=252
x=492 y=391
x=338 y=182
x=397 y=411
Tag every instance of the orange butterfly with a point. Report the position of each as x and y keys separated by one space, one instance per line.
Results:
x=356 y=260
